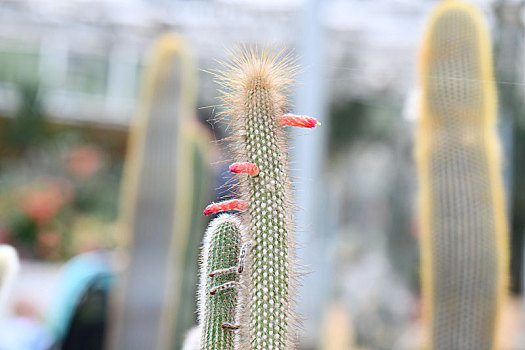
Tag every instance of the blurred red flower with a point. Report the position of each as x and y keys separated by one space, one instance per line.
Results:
x=42 y=204
x=85 y=161
x=48 y=244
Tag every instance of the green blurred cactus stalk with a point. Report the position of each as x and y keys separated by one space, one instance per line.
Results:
x=256 y=86
x=464 y=235
x=193 y=195
x=163 y=190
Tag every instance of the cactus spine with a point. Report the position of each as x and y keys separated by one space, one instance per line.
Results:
x=220 y=252
x=464 y=235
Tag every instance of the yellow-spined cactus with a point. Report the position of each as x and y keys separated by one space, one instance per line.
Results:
x=337 y=331
x=194 y=193
x=463 y=224
x=157 y=197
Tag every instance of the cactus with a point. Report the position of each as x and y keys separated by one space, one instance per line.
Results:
x=256 y=86
x=155 y=229
x=464 y=235
x=194 y=174
x=337 y=331
x=219 y=273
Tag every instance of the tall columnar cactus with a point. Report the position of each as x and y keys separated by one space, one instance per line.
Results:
x=218 y=276
x=153 y=223
x=194 y=176
x=256 y=85
x=464 y=235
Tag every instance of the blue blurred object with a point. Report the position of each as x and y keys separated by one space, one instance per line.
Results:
x=77 y=317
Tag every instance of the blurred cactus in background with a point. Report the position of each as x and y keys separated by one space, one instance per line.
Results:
x=337 y=332
x=218 y=274
x=464 y=235
x=194 y=176
x=256 y=85
x=158 y=200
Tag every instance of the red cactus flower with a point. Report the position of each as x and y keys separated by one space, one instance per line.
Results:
x=233 y=204
x=302 y=121
x=244 y=168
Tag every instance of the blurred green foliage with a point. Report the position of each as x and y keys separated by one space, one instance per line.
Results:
x=361 y=123
x=58 y=184
x=27 y=128
x=358 y=120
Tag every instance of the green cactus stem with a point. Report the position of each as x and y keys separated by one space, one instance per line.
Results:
x=256 y=86
x=155 y=210
x=464 y=235
x=219 y=282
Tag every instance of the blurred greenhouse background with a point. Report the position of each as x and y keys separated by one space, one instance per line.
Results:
x=71 y=84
